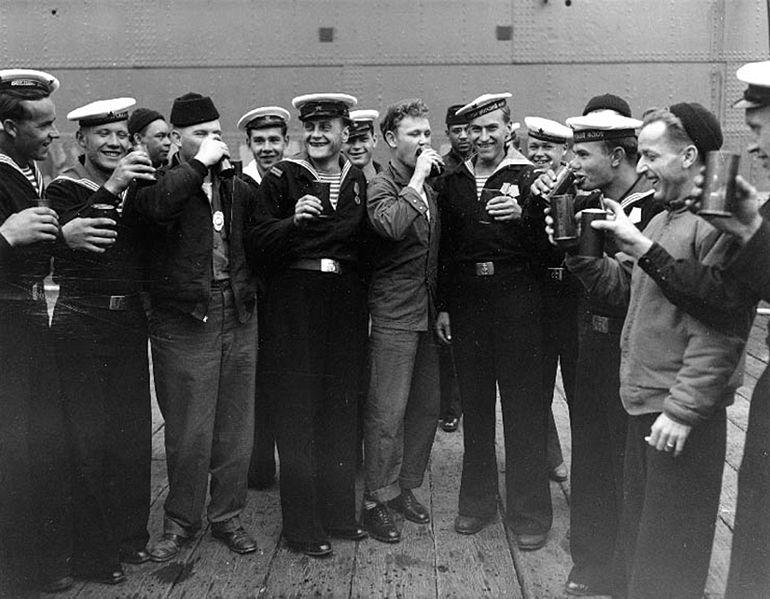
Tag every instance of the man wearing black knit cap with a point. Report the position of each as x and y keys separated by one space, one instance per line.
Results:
x=677 y=374
x=202 y=328
x=150 y=130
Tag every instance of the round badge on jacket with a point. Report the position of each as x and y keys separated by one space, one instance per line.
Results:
x=218 y=220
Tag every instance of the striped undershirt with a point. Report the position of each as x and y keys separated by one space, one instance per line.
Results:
x=480 y=182
x=334 y=182
x=31 y=176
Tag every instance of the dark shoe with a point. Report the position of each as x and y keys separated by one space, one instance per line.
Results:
x=114 y=575
x=167 y=547
x=449 y=425
x=134 y=556
x=558 y=474
x=350 y=533
x=531 y=542
x=311 y=549
x=379 y=524
x=59 y=585
x=470 y=525
x=237 y=540
x=407 y=504
x=583 y=589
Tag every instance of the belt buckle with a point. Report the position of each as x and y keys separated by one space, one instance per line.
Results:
x=329 y=265
x=117 y=302
x=485 y=269
x=600 y=324
x=37 y=291
x=556 y=274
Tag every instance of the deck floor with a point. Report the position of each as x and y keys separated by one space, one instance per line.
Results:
x=431 y=561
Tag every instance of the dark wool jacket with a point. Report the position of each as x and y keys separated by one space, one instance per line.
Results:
x=20 y=267
x=180 y=252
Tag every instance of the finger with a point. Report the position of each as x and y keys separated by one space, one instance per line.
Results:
x=679 y=446
x=616 y=208
x=93 y=234
x=47 y=235
x=43 y=211
x=49 y=229
x=94 y=248
x=101 y=222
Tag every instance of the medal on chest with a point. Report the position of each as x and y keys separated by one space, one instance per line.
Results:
x=219 y=220
x=356 y=190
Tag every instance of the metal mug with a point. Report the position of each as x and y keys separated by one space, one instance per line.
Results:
x=591 y=241
x=564 y=223
x=718 y=197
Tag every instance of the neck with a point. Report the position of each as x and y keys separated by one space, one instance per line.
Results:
x=327 y=165
x=96 y=174
x=7 y=148
x=487 y=167
x=621 y=183
x=402 y=166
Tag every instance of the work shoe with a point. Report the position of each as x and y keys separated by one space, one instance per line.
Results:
x=134 y=556
x=167 y=547
x=470 y=525
x=449 y=425
x=558 y=474
x=237 y=540
x=531 y=541
x=378 y=522
x=413 y=510
x=310 y=548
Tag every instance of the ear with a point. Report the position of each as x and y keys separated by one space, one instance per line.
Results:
x=617 y=155
x=374 y=139
x=136 y=138
x=345 y=134
x=390 y=139
x=10 y=127
x=176 y=137
x=80 y=138
x=689 y=156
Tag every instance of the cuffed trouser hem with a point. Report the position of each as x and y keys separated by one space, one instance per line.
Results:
x=385 y=494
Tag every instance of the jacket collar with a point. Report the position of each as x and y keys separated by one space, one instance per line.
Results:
x=401 y=173
x=470 y=164
x=5 y=159
x=303 y=160
x=77 y=174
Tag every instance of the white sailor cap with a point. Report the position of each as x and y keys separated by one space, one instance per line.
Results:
x=21 y=79
x=264 y=116
x=362 y=122
x=312 y=106
x=483 y=104
x=515 y=126
x=102 y=112
x=547 y=130
x=757 y=75
x=602 y=125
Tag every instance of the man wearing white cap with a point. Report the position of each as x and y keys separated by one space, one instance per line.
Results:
x=547 y=148
x=202 y=329
x=718 y=295
x=266 y=134
x=100 y=336
x=34 y=514
x=306 y=237
x=605 y=156
x=490 y=297
x=677 y=374
x=362 y=140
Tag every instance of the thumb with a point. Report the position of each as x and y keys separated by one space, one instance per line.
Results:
x=616 y=208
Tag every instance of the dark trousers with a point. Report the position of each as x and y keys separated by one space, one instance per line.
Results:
x=313 y=355
x=598 y=424
x=560 y=346
x=749 y=576
x=451 y=405
x=496 y=335
x=35 y=501
x=204 y=378
x=670 y=510
x=105 y=382
x=262 y=465
x=401 y=410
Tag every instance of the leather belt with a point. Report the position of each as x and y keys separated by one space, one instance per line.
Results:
x=604 y=324
x=318 y=264
x=556 y=274
x=488 y=269
x=114 y=303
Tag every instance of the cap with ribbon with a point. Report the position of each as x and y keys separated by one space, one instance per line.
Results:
x=141 y=117
x=547 y=130
x=102 y=112
x=362 y=122
x=602 y=125
x=484 y=104
x=757 y=76
x=325 y=105
x=452 y=118
x=263 y=117
x=608 y=102
x=27 y=79
x=192 y=109
x=701 y=126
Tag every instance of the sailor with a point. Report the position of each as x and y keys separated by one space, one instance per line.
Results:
x=362 y=140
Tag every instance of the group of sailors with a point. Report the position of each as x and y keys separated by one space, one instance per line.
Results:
x=339 y=308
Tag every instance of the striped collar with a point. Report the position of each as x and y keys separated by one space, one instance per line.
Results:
x=302 y=161
x=77 y=174
x=505 y=162
x=5 y=159
x=633 y=199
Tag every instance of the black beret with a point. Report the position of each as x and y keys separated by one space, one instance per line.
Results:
x=453 y=119
x=193 y=109
x=608 y=102
x=701 y=125
x=140 y=118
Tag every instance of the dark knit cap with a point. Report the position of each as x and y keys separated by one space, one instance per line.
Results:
x=452 y=118
x=608 y=102
x=141 y=117
x=701 y=125
x=193 y=109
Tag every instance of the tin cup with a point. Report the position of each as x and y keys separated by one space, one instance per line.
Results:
x=718 y=195
x=487 y=194
x=322 y=191
x=103 y=211
x=564 y=223
x=591 y=241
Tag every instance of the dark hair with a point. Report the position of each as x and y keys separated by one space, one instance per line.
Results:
x=629 y=144
x=284 y=129
x=12 y=102
x=397 y=112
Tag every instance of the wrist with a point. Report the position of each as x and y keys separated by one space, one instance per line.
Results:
x=640 y=247
x=748 y=230
x=7 y=235
x=115 y=187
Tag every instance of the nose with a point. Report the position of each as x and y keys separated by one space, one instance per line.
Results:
x=641 y=166
x=54 y=134
x=113 y=139
x=573 y=164
x=463 y=134
x=484 y=135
